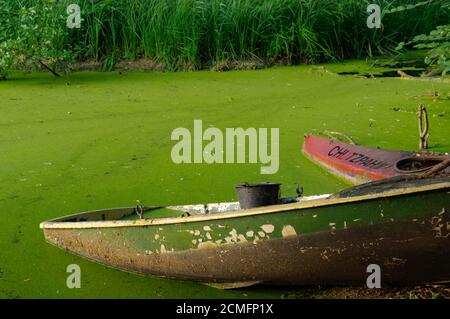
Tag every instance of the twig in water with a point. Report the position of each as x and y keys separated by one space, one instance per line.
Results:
x=423 y=127
x=48 y=68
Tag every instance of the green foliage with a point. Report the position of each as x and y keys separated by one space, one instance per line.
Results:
x=32 y=33
x=191 y=34
x=437 y=42
x=438 y=45
x=7 y=24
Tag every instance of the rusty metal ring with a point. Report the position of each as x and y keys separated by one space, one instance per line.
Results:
x=436 y=159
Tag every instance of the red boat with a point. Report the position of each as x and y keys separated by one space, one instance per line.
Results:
x=358 y=164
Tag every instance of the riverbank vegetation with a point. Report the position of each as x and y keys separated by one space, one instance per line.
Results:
x=198 y=34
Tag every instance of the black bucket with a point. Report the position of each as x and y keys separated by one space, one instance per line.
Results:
x=256 y=195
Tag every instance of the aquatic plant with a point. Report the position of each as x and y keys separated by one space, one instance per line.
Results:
x=438 y=45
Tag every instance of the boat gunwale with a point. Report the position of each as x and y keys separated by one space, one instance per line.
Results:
x=58 y=224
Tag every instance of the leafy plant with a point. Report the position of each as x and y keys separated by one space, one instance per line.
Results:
x=438 y=45
x=32 y=36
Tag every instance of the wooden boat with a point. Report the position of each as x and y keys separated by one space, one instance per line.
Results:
x=400 y=224
x=359 y=164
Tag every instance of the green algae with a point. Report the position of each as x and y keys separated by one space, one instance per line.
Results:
x=97 y=140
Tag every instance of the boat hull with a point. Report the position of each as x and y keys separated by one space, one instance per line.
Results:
x=358 y=164
x=407 y=252
x=326 y=244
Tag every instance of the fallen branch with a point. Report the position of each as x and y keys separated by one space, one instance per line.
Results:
x=404 y=74
x=48 y=68
x=439 y=167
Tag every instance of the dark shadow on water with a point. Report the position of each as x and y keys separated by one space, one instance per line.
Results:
x=385 y=74
x=75 y=78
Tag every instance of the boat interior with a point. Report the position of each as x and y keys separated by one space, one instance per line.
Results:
x=152 y=212
x=386 y=186
x=418 y=163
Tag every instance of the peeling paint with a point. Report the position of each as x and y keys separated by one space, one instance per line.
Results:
x=156 y=236
x=394 y=261
x=441 y=224
x=233 y=234
x=288 y=230
x=242 y=238
x=206 y=228
x=208 y=235
x=261 y=234
x=268 y=228
x=250 y=233
x=207 y=244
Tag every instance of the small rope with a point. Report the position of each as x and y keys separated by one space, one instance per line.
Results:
x=331 y=133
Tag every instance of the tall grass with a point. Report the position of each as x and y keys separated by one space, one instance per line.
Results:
x=190 y=34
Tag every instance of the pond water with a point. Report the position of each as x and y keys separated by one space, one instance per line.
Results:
x=97 y=140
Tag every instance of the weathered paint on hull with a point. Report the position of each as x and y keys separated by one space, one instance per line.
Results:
x=407 y=235
x=407 y=253
x=353 y=163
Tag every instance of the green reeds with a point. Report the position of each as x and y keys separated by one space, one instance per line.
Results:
x=191 y=34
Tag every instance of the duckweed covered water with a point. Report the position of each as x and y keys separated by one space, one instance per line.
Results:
x=97 y=140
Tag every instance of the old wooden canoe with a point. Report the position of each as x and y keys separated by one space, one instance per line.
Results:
x=403 y=226
x=359 y=164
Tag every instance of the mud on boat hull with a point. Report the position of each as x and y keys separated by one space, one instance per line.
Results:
x=407 y=253
x=327 y=242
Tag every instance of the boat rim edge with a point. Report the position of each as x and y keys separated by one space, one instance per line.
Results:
x=55 y=224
